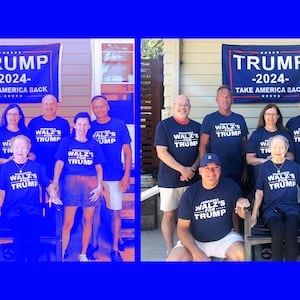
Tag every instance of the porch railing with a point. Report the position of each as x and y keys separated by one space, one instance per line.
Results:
x=149 y=193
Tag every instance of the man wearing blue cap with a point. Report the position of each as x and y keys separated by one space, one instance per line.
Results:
x=205 y=217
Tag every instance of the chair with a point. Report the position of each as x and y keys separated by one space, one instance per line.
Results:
x=51 y=231
x=257 y=235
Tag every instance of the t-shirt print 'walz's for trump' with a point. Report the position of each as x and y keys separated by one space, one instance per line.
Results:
x=186 y=139
x=21 y=180
x=105 y=137
x=210 y=209
x=228 y=129
x=48 y=135
x=279 y=180
x=80 y=157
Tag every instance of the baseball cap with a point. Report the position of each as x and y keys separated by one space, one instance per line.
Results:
x=209 y=158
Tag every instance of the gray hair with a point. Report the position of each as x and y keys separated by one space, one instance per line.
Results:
x=279 y=137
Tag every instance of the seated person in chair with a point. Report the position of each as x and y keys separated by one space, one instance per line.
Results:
x=20 y=183
x=276 y=191
x=205 y=218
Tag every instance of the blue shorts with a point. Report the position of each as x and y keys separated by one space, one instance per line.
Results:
x=76 y=190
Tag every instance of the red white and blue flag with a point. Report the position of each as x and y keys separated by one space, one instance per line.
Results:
x=262 y=73
x=29 y=72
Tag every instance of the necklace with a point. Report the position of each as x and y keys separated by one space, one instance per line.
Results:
x=20 y=166
x=278 y=168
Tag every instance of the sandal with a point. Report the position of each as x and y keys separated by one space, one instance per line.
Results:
x=266 y=253
x=8 y=252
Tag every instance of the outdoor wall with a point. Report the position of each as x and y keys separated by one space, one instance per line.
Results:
x=76 y=91
x=76 y=76
x=200 y=74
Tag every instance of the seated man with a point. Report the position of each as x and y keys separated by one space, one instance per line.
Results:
x=205 y=218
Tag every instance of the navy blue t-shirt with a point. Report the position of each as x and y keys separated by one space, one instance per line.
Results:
x=258 y=142
x=48 y=135
x=210 y=211
x=22 y=191
x=182 y=142
x=79 y=158
x=226 y=135
x=280 y=187
x=6 y=135
x=293 y=126
x=111 y=136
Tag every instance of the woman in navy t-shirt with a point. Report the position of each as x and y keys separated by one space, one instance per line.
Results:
x=20 y=183
x=13 y=124
x=276 y=192
x=81 y=158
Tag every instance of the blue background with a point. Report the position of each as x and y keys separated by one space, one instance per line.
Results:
x=159 y=19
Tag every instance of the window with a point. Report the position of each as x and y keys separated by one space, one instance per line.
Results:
x=113 y=76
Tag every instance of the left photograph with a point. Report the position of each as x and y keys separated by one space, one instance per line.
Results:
x=67 y=158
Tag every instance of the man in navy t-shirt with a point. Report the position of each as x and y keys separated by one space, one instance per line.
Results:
x=225 y=133
x=177 y=146
x=205 y=217
x=48 y=130
x=113 y=136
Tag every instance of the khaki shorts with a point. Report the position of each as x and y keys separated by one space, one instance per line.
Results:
x=114 y=197
x=170 y=197
x=217 y=248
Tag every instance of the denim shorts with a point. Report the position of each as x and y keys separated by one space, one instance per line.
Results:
x=76 y=190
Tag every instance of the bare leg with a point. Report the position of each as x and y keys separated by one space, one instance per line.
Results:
x=88 y=213
x=116 y=227
x=180 y=254
x=67 y=226
x=168 y=225
x=96 y=226
x=235 y=252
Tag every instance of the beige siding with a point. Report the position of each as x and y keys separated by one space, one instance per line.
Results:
x=201 y=74
x=76 y=92
x=76 y=76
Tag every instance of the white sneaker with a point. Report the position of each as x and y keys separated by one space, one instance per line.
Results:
x=168 y=252
x=82 y=257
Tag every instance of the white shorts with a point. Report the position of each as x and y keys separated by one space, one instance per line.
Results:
x=114 y=199
x=217 y=248
x=170 y=197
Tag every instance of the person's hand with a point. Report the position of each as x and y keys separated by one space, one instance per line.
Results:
x=200 y=256
x=241 y=204
x=187 y=174
x=95 y=194
x=55 y=200
x=124 y=184
x=253 y=221
x=53 y=196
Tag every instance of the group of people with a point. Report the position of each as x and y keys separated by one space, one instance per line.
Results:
x=75 y=168
x=210 y=172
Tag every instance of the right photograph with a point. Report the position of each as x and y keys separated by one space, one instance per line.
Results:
x=220 y=136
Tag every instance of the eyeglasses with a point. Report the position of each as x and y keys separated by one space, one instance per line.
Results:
x=12 y=114
x=182 y=105
x=271 y=115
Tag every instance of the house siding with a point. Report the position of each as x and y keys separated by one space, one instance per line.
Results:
x=76 y=92
x=201 y=74
x=76 y=77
